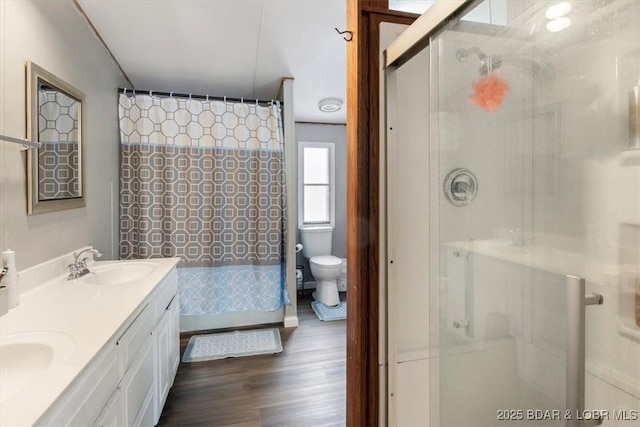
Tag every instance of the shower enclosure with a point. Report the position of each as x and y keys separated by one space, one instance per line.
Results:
x=513 y=215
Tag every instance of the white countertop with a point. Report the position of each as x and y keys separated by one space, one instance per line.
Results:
x=88 y=315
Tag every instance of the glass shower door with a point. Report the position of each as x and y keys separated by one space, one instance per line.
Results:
x=538 y=205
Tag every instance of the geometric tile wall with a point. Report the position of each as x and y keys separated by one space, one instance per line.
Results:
x=58 y=168
x=210 y=205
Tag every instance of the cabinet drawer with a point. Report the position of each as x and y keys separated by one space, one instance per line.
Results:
x=82 y=404
x=166 y=291
x=132 y=340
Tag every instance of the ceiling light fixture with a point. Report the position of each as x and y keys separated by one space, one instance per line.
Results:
x=330 y=105
x=558 y=10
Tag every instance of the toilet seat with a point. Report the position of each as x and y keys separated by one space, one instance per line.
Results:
x=326 y=261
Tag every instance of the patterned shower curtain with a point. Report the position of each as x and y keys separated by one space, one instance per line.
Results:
x=205 y=181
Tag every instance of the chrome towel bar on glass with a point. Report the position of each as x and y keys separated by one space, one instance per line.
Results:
x=21 y=141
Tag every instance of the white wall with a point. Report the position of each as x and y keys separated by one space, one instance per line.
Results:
x=54 y=36
x=311 y=132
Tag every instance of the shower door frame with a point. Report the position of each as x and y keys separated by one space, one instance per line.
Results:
x=364 y=402
x=413 y=41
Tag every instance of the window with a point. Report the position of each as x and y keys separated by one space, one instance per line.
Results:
x=316 y=183
x=411 y=6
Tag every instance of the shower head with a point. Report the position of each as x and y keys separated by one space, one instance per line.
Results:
x=487 y=64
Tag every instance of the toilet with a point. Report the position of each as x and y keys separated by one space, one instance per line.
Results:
x=325 y=268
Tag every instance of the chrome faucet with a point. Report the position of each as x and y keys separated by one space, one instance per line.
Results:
x=79 y=267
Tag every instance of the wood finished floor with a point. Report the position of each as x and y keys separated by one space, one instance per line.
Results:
x=303 y=386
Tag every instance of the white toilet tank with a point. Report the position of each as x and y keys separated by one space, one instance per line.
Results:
x=316 y=241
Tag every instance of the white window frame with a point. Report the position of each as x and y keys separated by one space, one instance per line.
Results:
x=332 y=183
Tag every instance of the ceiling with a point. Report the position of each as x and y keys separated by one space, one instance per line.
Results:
x=235 y=48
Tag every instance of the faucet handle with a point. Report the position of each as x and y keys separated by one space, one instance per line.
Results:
x=73 y=271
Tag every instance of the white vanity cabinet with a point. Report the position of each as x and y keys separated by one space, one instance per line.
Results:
x=167 y=346
x=127 y=382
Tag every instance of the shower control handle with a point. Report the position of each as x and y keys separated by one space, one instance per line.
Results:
x=459 y=324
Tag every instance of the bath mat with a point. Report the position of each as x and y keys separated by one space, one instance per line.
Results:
x=325 y=313
x=232 y=344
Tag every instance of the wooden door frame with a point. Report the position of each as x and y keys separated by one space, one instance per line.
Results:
x=363 y=206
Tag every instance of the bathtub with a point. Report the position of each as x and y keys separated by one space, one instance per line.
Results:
x=231 y=296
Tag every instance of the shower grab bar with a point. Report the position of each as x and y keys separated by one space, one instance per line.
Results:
x=466 y=323
x=577 y=301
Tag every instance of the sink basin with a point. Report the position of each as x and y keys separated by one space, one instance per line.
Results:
x=118 y=272
x=21 y=364
x=26 y=359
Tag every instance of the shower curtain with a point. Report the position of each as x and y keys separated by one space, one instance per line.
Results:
x=205 y=181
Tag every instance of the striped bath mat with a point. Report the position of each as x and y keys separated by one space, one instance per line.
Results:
x=325 y=313
x=232 y=344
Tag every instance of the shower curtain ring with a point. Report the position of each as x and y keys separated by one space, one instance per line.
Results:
x=207 y=97
x=225 y=99
x=189 y=97
x=134 y=92
x=151 y=93
x=170 y=94
x=241 y=100
x=125 y=91
x=256 y=102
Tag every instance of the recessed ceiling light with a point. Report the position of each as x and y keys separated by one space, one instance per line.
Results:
x=558 y=24
x=558 y=10
x=330 y=105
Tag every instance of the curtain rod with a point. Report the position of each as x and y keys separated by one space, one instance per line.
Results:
x=189 y=95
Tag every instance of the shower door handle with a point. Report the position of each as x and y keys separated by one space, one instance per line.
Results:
x=577 y=301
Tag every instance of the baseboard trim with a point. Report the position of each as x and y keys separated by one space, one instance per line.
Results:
x=309 y=285
x=312 y=285
x=291 y=322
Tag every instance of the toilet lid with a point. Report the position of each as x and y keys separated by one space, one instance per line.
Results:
x=326 y=260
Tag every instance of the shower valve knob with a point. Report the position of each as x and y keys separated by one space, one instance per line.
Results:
x=459 y=324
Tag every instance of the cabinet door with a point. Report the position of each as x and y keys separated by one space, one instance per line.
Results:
x=145 y=415
x=138 y=384
x=163 y=376
x=174 y=339
x=112 y=414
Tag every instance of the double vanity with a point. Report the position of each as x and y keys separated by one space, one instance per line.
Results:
x=99 y=350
